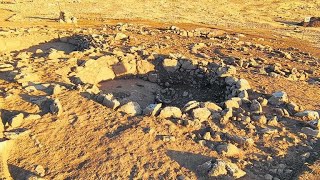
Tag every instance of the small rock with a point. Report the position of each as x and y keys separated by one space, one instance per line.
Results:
x=170 y=65
x=56 y=107
x=110 y=101
x=308 y=115
x=190 y=105
x=218 y=169
x=205 y=167
x=131 y=108
x=213 y=107
x=231 y=103
x=234 y=170
x=168 y=138
x=228 y=150
x=170 y=112
x=263 y=102
x=56 y=89
x=16 y=120
x=309 y=131
x=256 y=106
x=293 y=107
x=260 y=118
x=40 y=170
x=278 y=98
x=268 y=177
x=120 y=36
x=207 y=136
x=273 y=121
x=152 y=109
x=152 y=77
x=201 y=113
x=243 y=84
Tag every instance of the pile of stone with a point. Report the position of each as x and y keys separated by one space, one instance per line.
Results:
x=93 y=41
x=219 y=168
x=276 y=70
x=199 y=32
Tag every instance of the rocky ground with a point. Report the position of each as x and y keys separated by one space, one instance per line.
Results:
x=150 y=100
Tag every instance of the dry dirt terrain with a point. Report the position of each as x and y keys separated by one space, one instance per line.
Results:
x=137 y=89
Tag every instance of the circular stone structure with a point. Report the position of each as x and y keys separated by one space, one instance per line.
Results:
x=169 y=80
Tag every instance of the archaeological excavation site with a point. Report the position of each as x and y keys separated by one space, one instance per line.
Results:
x=170 y=90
